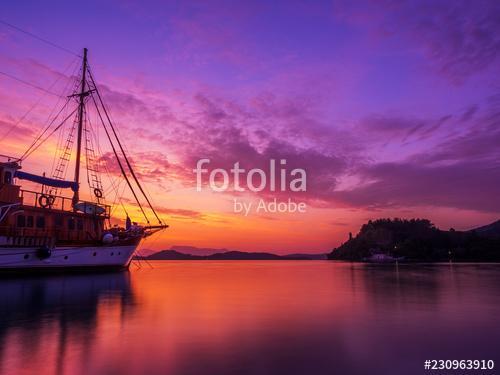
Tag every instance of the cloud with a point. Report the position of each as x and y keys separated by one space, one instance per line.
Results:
x=40 y=74
x=451 y=155
x=8 y=126
x=429 y=160
x=148 y=166
x=227 y=132
x=461 y=171
x=467 y=185
x=477 y=141
x=382 y=126
x=179 y=213
x=459 y=38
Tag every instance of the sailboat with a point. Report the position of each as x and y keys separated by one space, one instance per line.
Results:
x=44 y=229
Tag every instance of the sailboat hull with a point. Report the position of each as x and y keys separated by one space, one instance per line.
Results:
x=15 y=259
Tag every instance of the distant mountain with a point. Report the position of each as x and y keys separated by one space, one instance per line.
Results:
x=300 y=256
x=240 y=255
x=197 y=250
x=420 y=240
x=173 y=255
x=145 y=252
x=230 y=255
x=490 y=231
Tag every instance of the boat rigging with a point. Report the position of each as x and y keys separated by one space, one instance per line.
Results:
x=56 y=222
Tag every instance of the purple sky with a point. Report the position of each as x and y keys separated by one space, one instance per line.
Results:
x=392 y=107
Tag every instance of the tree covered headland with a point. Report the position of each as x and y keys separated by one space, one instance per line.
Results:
x=420 y=240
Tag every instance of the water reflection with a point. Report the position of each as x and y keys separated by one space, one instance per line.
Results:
x=46 y=320
x=251 y=318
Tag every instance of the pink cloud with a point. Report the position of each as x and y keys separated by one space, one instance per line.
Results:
x=459 y=38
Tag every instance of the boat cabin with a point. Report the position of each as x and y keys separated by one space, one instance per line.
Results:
x=30 y=218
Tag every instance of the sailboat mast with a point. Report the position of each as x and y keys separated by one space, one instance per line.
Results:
x=82 y=95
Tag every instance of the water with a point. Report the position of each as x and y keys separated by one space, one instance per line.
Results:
x=274 y=317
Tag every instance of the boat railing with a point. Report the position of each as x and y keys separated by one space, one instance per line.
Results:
x=26 y=236
x=34 y=236
x=60 y=203
x=8 y=159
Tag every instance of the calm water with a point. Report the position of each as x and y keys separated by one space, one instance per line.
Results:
x=281 y=317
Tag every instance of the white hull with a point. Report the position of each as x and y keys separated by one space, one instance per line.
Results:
x=25 y=258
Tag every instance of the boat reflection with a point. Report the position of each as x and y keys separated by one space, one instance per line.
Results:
x=45 y=319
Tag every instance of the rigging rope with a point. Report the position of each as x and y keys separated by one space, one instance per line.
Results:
x=112 y=180
x=26 y=154
x=62 y=132
x=39 y=141
x=30 y=84
x=92 y=163
x=39 y=38
x=45 y=130
x=118 y=159
x=55 y=117
x=37 y=102
x=121 y=148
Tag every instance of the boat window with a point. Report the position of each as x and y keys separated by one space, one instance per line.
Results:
x=58 y=221
x=71 y=223
x=40 y=221
x=79 y=224
x=29 y=221
x=21 y=221
x=7 y=177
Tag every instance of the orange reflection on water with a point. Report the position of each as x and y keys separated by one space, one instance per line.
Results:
x=293 y=317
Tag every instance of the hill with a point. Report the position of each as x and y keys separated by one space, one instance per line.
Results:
x=173 y=255
x=197 y=250
x=230 y=255
x=298 y=256
x=490 y=231
x=419 y=240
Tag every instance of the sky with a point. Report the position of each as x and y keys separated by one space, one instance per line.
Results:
x=391 y=108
